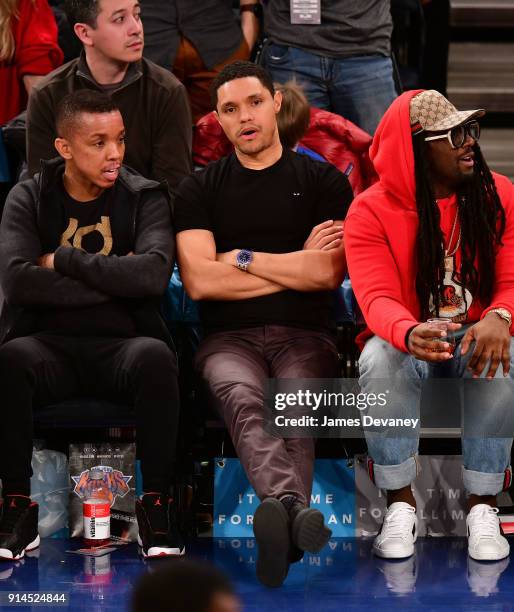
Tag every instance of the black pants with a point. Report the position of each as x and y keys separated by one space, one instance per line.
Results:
x=44 y=368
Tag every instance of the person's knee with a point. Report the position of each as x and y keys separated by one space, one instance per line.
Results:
x=243 y=395
x=379 y=359
x=152 y=357
x=15 y=360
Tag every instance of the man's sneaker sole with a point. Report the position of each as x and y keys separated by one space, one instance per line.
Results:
x=7 y=555
x=490 y=556
x=397 y=552
x=271 y=530
x=309 y=532
x=160 y=551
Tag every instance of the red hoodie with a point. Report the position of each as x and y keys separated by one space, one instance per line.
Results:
x=380 y=236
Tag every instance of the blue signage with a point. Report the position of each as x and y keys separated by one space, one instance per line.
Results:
x=235 y=501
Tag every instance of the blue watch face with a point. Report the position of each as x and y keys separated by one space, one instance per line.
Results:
x=244 y=257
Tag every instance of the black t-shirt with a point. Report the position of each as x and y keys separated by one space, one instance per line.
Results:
x=273 y=211
x=87 y=226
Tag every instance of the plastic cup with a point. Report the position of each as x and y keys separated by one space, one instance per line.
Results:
x=441 y=324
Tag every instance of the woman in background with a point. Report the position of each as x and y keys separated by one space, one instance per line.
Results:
x=28 y=51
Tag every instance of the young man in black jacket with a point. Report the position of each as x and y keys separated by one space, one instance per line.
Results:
x=86 y=250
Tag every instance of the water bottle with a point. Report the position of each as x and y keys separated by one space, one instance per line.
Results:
x=97 y=511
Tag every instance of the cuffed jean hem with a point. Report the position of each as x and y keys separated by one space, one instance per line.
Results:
x=482 y=483
x=393 y=477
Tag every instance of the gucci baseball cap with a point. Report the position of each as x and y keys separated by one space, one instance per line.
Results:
x=432 y=112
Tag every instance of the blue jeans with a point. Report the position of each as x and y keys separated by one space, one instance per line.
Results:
x=395 y=466
x=358 y=88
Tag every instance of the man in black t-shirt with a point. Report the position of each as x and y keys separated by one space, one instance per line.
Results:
x=86 y=250
x=259 y=238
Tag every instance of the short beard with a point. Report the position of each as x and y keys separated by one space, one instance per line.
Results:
x=465 y=179
x=250 y=151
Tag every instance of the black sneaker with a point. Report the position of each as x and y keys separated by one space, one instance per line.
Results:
x=308 y=530
x=18 y=526
x=272 y=533
x=158 y=532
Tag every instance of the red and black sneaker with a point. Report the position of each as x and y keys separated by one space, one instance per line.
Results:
x=18 y=526
x=158 y=531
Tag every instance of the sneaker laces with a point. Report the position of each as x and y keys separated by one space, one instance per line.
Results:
x=486 y=518
x=395 y=526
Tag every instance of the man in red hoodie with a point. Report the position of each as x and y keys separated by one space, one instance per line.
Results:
x=435 y=238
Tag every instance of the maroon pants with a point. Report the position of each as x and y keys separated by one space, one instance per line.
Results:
x=235 y=365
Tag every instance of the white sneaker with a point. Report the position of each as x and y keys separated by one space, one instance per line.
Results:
x=399 y=532
x=485 y=541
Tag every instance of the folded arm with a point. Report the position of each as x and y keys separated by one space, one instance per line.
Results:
x=24 y=282
x=143 y=274
x=207 y=279
x=314 y=268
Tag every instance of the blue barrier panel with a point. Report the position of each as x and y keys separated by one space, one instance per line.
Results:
x=235 y=500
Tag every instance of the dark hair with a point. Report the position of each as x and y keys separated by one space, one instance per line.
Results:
x=183 y=586
x=239 y=70
x=81 y=101
x=82 y=11
x=482 y=222
x=295 y=114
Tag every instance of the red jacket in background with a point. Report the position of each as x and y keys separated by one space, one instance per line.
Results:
x=343 y=144
x=380 y=236
x=36 y=52
x=338 y=140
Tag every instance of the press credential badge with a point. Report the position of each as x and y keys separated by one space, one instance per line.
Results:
x=306 y=12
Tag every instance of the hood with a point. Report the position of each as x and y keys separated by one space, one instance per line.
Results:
x=391 y=151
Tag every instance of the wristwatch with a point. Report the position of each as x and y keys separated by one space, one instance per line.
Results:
x=244 y=258
x=256 y=9
x=504 y=314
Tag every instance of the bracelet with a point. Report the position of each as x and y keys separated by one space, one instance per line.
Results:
x=409 y=331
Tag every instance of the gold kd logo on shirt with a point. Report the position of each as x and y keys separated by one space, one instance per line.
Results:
x=73 y=231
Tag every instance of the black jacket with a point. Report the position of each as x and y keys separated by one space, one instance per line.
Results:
x=155 y=111
x=141 y=221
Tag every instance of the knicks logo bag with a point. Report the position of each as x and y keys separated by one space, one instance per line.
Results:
x=117 y=463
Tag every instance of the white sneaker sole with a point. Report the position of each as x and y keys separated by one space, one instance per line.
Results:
x=395 y=553
x=7 y=555
x=490 y=556
x=157 y=551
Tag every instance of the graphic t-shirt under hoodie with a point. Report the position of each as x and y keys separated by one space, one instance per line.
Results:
x=380 y=237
